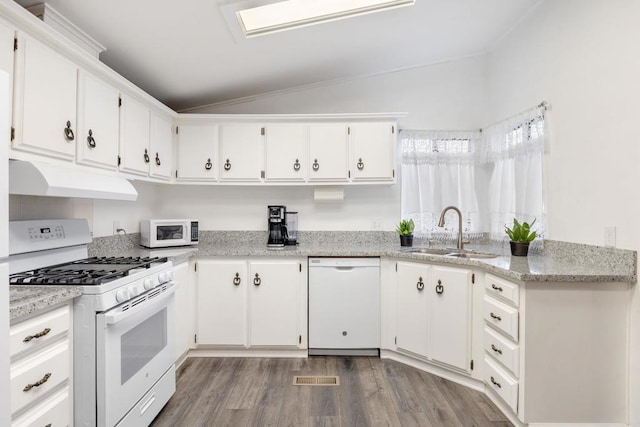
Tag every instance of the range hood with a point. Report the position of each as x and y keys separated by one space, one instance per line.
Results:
x=42 y=179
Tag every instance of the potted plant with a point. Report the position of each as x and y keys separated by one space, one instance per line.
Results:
x=520 y=235
x=405 y=231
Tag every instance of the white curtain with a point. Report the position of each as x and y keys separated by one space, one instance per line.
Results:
x=515 y=150
x=439 y=169
x=492 y=176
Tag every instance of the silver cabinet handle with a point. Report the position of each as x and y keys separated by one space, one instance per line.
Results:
x=315 y=165
x=257 y=281
x=496 y=349
x=227 y=165
x=208 y=165
x=157 y=160
x=497 y=288
x=296 y=165
x=68 y=132
x=146 y=156
x=360 y=164
x=493 y=316
x=439 y=287
x=237 y=280
x=420 y=284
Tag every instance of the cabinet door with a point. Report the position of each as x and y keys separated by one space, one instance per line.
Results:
x=285 y=152
x=222 y=308
x=45 y=101
x=328 y=152
x=241 y=152
x=197 y=153
x=98 y=122
x=160 y=147
x=185 y=319
x=413 y=320
x=134 y=137
x=449 y=316
x=373 y=152
x=274 y=302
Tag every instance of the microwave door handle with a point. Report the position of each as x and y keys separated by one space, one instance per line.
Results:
x=112 y=319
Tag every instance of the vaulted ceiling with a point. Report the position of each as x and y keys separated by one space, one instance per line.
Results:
x=190 y=53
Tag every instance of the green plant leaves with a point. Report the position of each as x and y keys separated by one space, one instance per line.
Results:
x=405 y=228
x=521 y=232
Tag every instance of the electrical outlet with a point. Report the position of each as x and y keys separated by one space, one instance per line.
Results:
x=610 y=236
x=116 y=226
x=376 y=224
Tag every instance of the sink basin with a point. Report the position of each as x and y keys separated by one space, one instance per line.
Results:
x=449 y=252
x=471 y=255
x=428 y=251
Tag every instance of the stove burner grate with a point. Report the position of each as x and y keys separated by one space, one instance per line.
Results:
x=88 y=271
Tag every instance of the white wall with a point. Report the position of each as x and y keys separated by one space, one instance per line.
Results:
x=582 y=57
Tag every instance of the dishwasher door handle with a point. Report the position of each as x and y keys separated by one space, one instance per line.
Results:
x=344 y=268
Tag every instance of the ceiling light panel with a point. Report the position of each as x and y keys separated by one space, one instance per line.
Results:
x=290 y=14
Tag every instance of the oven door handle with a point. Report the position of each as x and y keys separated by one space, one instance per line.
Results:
x=112 y=319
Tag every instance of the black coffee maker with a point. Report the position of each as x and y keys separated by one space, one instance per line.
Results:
x=277 y=226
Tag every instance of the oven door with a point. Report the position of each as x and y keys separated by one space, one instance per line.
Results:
x=170 y=233
x=134 y=348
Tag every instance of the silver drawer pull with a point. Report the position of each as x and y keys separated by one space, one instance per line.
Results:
x=40 y=334
x=495 y=383
x=38 y=383
x=496 y=349
x=497 y=288
x=498 y=318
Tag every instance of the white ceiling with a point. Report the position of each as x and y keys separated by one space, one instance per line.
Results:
x=190 y=53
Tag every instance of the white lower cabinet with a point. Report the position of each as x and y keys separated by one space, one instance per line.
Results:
x=252 y=303
x=434 y=313
x=185 y=304
x=41 y=369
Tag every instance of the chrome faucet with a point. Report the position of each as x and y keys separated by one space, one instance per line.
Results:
x=441 y=224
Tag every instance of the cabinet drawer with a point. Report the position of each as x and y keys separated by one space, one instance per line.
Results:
x=41 y=329
x=503 y=288
x=501 y=316
x=53 y=411
x=502 y=350
x=501 y=382
x=52 y=364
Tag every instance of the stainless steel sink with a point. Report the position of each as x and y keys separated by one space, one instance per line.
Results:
x=471 y=255
x=428 y=251
x=453 y=253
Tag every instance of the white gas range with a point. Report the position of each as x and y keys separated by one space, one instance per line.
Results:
x=123 y=322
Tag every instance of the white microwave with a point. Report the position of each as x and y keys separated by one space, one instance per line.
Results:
x=163 y=233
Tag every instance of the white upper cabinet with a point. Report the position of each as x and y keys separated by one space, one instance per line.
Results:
x=197 y=153
x=241 y=152
x=98 y=122
x=160 y=147
x=328 y=152
x=134 y=137
x=373 y=148
x=45 y=100
x=285 y=152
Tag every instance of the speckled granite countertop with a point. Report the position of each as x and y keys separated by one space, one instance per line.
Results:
x=553 y=263
x=27 y=300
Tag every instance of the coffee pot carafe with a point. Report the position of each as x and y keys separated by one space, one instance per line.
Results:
x=291 y=223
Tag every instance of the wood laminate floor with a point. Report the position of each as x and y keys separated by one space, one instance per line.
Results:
x=372 y=392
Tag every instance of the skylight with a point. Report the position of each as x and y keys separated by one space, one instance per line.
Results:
x=289 y=14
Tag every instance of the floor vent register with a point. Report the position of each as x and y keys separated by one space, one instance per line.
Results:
x=316 y=380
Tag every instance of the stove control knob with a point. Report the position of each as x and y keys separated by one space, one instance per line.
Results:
x=148 y=284
x=122 y=295
x=163 y=277
x=133 y=291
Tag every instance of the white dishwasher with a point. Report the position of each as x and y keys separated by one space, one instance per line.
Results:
x=344 y=306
